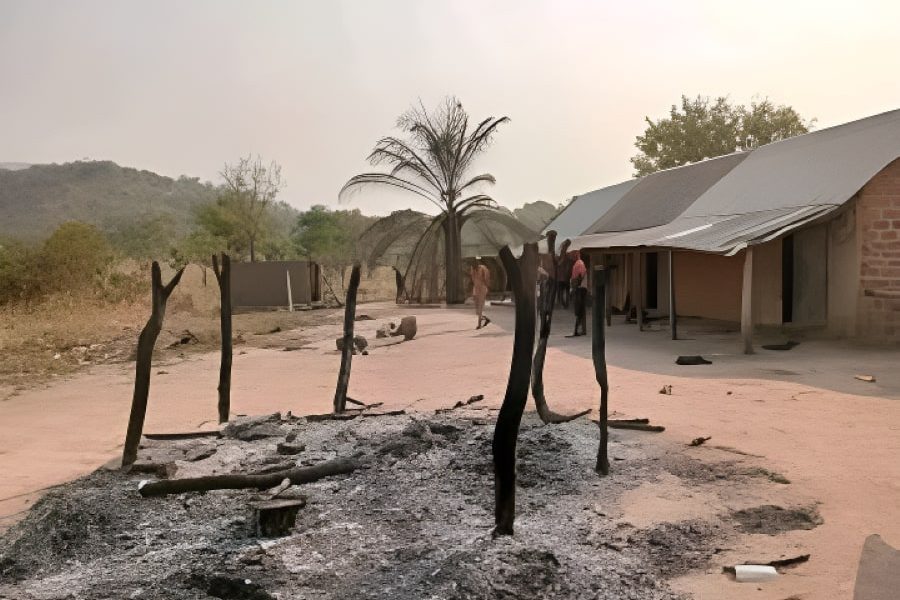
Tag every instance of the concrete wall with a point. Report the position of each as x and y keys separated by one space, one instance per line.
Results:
x=709 y=285
x=263 y=284
x=878 y=240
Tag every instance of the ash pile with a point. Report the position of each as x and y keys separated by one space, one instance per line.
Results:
x=412 y=519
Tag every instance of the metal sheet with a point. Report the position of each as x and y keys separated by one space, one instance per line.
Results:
x=660 y=197
x=824 y=167
x=586 y=209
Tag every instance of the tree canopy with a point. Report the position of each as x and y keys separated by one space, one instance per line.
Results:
x=704 y=128
x=329 y=237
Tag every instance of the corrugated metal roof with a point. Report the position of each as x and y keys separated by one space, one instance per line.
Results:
x=660 y=197
x=587 y=208
x=775 y=189
x=724 y=234
x=823 y=167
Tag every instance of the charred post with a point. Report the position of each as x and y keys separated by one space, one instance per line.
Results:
x=546 y=302
x=598 y=353
x=343 y=381
x=522 y=275
x=146 y=342
x=223 y=277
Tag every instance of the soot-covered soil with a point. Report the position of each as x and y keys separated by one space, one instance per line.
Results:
x=414 y=523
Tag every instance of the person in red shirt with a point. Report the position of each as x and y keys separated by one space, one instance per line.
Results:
x=579 y=294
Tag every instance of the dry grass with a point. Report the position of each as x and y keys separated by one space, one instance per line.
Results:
x=64 y=334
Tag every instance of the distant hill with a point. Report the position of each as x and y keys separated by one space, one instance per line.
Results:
x=34 y=200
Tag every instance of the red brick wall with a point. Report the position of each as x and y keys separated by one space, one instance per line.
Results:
x=878 y=232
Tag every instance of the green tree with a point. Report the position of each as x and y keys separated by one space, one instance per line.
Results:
x=433 y=163
x=246 y=200
x=330 y=238
x=703 y=128
x=197 y=247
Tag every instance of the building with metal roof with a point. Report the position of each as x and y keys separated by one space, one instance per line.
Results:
x=797 y=233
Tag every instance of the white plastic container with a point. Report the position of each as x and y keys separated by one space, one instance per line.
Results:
x=754 y=573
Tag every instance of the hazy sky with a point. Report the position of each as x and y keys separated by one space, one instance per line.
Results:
x=180 y=87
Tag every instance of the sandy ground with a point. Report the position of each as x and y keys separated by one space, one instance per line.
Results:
x=836 y=439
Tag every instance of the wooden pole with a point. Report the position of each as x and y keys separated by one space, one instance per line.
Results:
x=289 y=293
x=343 y=382
x=747 y=302
x=598 y=353
x=639 y=287
x=606 y=299
x=673 y=317
x=521 y=275
x=223 y=277
x=146 y=342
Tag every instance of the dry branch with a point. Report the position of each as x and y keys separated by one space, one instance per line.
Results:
x=297 y=476
x=461 y=404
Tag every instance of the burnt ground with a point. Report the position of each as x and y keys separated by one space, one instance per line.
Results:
x=414 y=523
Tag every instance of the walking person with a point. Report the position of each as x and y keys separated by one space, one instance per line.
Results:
x=579 y=294
x=481 y=282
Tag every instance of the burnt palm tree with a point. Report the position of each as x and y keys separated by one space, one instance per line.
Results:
x=433 y=163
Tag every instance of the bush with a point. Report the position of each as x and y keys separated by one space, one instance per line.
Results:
x=17 y=269
x=75 y=258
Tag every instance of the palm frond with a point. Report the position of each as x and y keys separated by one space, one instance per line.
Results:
x=390 y=180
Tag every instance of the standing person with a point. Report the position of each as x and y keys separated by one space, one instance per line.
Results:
x=579 y=294
x=481 y=282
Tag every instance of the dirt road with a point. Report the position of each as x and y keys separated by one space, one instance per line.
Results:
x=836 y=448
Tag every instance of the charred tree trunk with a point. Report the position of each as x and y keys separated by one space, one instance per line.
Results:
x=545 y=311
x=223 y=277
x=343 y=381
x=598 y=352
x=522 y=274
x=146 y=342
